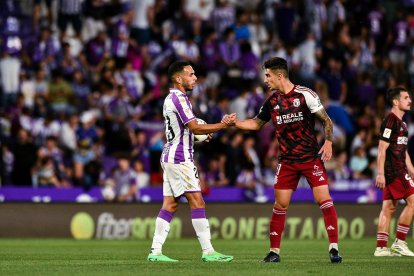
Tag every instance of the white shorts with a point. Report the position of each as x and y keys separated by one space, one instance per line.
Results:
x=180 y=178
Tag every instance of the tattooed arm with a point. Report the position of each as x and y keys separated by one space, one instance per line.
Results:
x=326 y=149
x=250 y=124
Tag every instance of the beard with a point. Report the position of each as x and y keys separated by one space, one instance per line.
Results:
x=187 y=87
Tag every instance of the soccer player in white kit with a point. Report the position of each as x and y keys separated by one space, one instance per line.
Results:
x=180 y=173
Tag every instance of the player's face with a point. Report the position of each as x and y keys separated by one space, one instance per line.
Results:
x=273 y=79
x=404 y=102
x=188 y=78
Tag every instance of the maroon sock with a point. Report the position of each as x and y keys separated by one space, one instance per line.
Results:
x=277 y=224
x=382 y=239
x=402 y=231
x=331 y=219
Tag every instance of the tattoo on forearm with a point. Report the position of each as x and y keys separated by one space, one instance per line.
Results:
x=260 y=122
x=327 y=123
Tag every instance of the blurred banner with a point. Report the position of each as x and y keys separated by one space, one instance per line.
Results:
x=136 y=221
x=345 y=191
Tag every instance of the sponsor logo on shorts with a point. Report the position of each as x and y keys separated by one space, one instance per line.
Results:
x=321 y=178
x=408 y=177
x=317 y=171
x=330 y=227
x=273 y=234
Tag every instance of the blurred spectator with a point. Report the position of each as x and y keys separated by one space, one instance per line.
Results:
x=230 y=52
x=125 y=185
x=81 y=91
x=44 y=175
x=340 y=170
x=141 y=177
x=120 y=38
x=96 y=51
x=37 y=12
x=143 y=20
x=223 y=16
x=25 y=155
x=94 y=12
x=286 y=21
x=82 y=156
x=359 y=163
x=9 y=77
x=250 y=183
x=234 y=155
x=140 y=150
x=45 y=50
x=259 y=36
x=215 y=176
x=45 y=127
x=7 y=163
x=70 y=12
x=27 y=89
x=60 y=94
x=68 y=63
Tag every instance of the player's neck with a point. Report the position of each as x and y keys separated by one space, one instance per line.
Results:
x=286 y=87
x=179 y=87
x=398 y=112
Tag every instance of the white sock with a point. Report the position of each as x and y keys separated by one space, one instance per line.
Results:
x=162 y=227
x=202 y=229
x=276 y=250
x=333 y=245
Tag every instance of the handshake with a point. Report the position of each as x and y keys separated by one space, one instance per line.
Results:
x=229 y=119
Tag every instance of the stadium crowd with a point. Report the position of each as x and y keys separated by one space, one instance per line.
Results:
x=83 y=83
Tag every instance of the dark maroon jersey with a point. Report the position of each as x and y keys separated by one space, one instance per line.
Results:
x=394 y=131
x=293 y=116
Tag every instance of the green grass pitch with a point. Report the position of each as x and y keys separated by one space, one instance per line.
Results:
x=98 y=257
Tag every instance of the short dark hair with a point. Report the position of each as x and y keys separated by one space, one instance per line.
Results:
x=394 y=93
x=277 y=63
x=176 y=67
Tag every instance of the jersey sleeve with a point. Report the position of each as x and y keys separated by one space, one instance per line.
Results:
x=387 y=128
x=184 y=110
x=313 y=102
x=264 y=112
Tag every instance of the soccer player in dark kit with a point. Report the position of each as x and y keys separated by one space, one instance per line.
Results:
x=292 y=109
x=395 y=172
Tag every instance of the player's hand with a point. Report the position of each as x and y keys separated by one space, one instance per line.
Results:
x=326 y=151
x=380 y=181
x=210 y=136
x=229 y=120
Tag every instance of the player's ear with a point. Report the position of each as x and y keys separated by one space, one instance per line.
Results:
x=178 y=79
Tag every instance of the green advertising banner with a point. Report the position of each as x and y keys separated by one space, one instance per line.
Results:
x=136 y=221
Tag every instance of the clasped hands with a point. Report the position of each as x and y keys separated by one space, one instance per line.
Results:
x=229 y=119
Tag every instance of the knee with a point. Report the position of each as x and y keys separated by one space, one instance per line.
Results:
x=281 y=205
x=170 y=206
x=389 y=211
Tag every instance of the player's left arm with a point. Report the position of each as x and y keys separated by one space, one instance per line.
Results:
x=409 y=164
x=326 y=149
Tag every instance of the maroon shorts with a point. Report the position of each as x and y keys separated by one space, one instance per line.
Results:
x=399 y=188
x=288 y=175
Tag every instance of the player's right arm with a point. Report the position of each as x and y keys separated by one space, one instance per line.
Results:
x=382 y=149
x=384 y=142
x=250 y=124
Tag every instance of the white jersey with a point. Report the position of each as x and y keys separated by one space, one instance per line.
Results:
x=177 y=112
